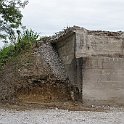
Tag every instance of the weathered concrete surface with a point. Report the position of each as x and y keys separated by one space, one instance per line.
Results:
x=103 y=81
x=102 y=72
x=90 y=43
x=66 y=51
x=94 y=63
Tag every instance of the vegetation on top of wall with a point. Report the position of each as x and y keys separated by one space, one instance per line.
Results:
x=24 y=42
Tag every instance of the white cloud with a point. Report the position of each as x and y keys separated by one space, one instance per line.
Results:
x=1 y=44
x=50 y=16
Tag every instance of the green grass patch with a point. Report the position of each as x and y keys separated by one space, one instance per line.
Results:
x=24 y=42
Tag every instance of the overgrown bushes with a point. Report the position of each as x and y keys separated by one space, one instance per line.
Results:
x=24 y=41
x=6 y=53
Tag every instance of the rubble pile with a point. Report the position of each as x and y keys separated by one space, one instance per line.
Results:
x=52 y=59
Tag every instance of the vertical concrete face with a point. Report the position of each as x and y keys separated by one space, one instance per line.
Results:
x=66 y=53
x=81 y=43
x=73 y=66
x=89 y=44
x=94 y=63
x=103 y=81
x=105 y=45
x=102 y=71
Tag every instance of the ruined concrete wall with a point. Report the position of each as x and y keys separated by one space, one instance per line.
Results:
x=106 y=45
x=93 y=62
x=90 y=43
x=103 y=81
x=102 y=65
x=66 y=53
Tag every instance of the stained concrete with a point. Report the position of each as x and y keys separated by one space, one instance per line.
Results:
x=94 y=62
x=103 y=80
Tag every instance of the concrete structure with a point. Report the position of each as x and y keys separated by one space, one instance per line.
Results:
x=94 y=63
x=84 y=65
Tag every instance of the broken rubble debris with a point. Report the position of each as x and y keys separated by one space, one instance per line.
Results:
x=51 y=57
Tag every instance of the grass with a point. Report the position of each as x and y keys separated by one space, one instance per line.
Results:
x=24 y=42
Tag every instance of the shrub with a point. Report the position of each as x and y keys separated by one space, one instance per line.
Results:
x=6 y=53
x=25 y=41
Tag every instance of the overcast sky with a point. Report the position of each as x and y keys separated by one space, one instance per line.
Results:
x=49 y=16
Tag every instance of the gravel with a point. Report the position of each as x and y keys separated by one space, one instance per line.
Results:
x=56 y=116
x=51 y=57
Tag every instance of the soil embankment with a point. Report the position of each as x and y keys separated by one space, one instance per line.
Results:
x=34 y=76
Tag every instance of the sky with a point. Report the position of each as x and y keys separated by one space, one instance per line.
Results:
x=49 y=16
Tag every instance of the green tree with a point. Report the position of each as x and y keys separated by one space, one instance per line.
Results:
x=10 y=17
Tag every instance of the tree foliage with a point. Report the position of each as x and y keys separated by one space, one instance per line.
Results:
x=10 y=17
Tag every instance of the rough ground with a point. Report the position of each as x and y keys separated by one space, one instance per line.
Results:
x=59 y=116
